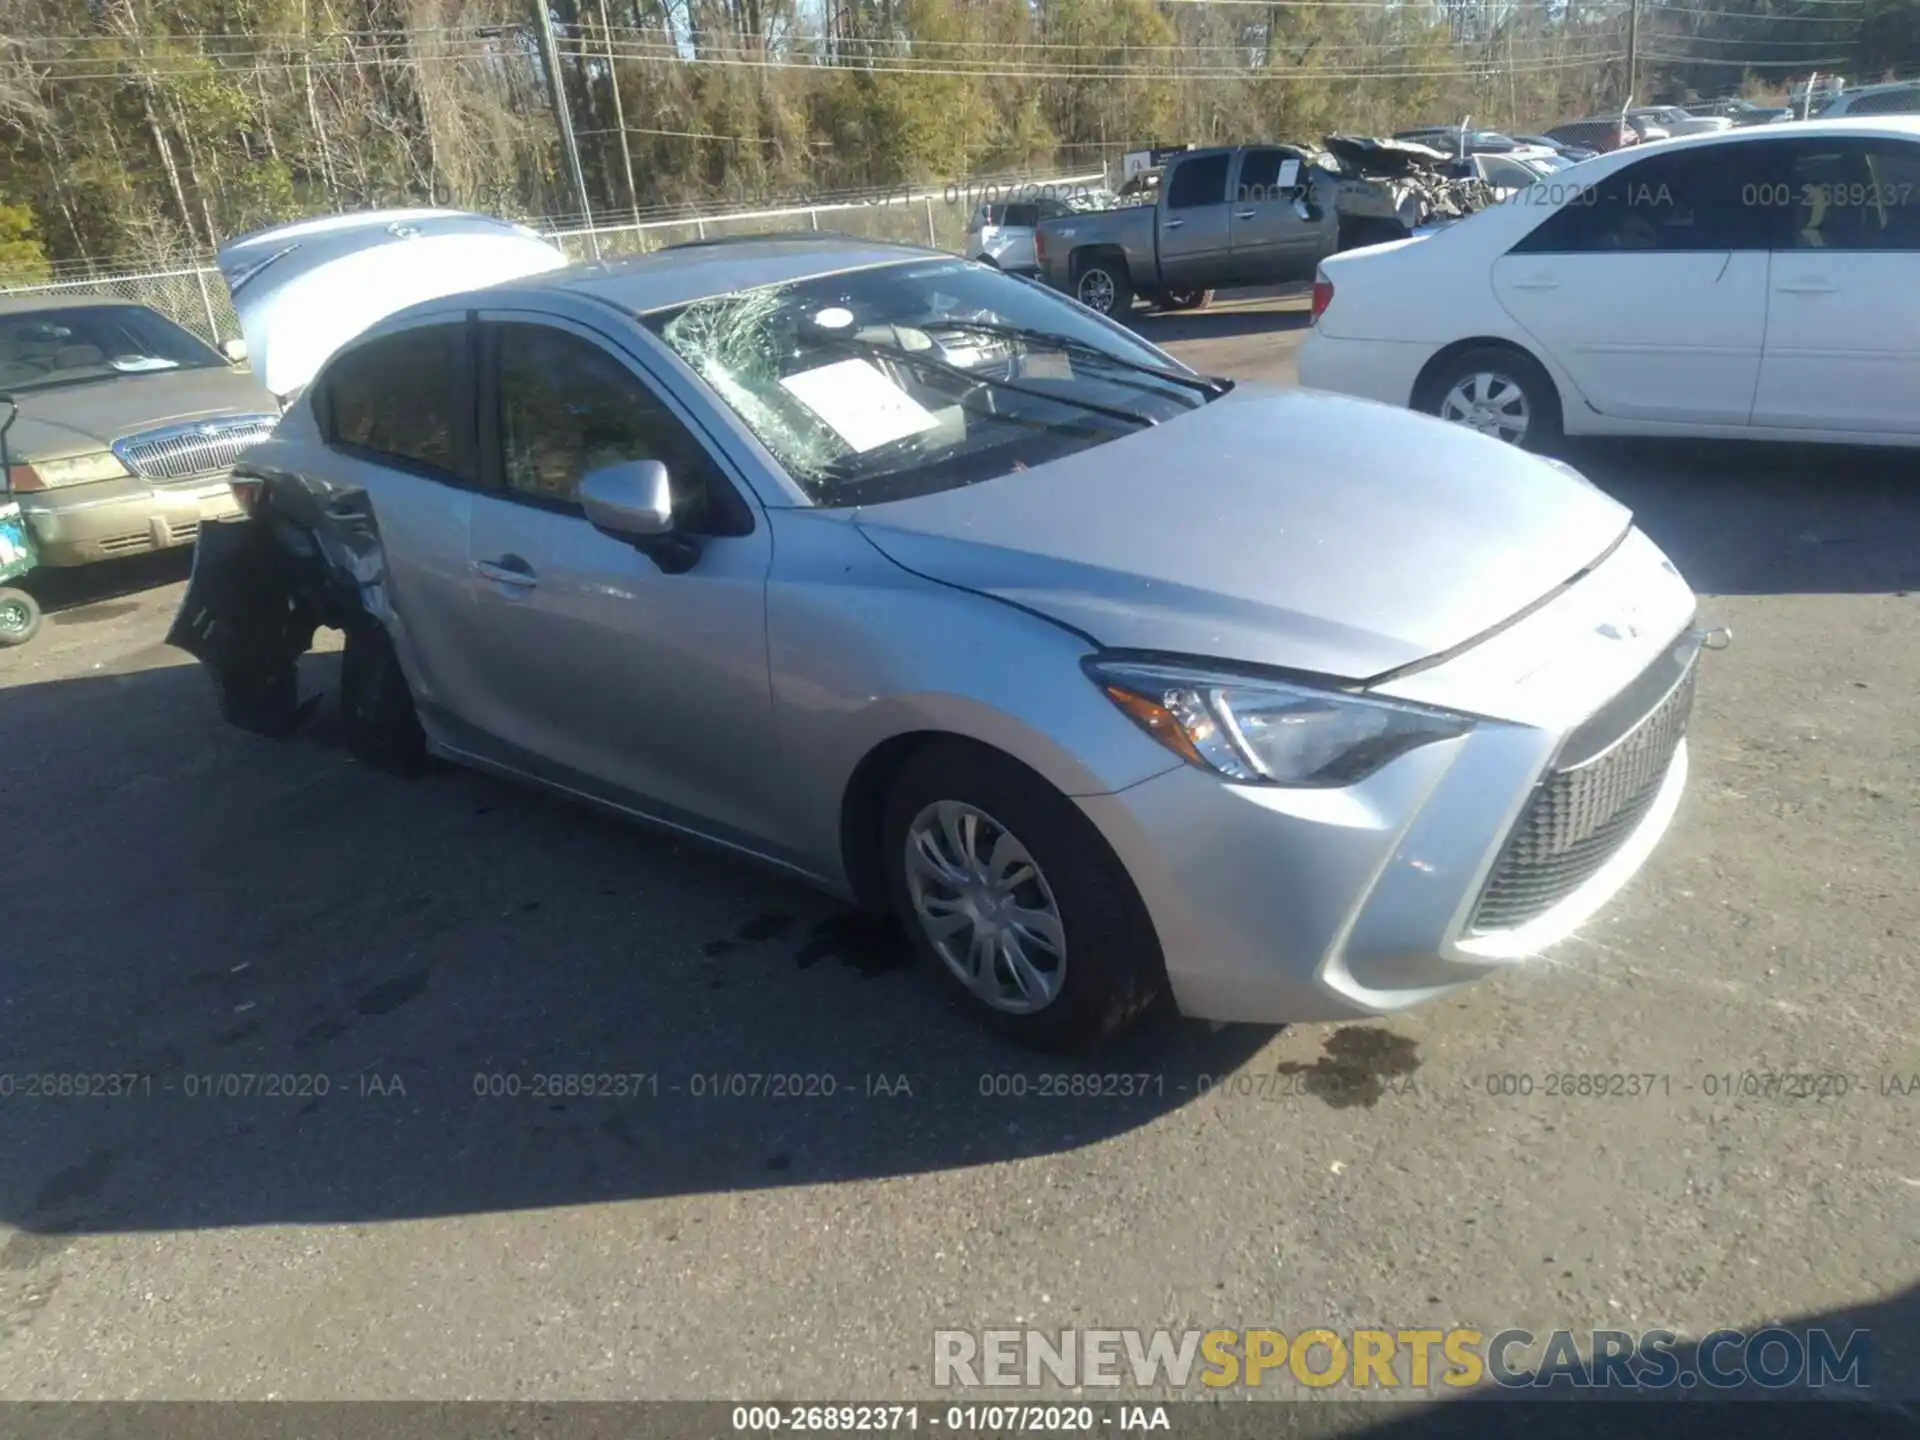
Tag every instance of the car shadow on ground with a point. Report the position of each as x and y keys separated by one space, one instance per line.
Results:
x=73 y=588
x=1751 y=518
x=1219 y=322
x=333 y=995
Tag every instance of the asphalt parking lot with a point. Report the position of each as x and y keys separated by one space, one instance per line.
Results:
x=184 y=902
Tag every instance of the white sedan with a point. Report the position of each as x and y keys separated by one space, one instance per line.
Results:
x=1762 y=283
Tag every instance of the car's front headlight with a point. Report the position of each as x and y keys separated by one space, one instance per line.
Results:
x=80 y=469
x=1267 y=731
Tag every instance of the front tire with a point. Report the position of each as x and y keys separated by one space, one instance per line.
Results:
x=1500 y=392
x=1008 y=891
x=1103 y=285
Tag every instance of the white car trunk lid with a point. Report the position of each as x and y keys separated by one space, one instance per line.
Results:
x=304 y=290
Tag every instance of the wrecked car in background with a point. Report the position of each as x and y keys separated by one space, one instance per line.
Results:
x=1388 y=189
x=857 y=559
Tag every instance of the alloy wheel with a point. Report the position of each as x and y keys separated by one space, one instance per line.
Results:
x=1096 y=291
x=1490 y=402
x=980 y=899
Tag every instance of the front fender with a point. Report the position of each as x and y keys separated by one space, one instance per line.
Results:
x=864 y=652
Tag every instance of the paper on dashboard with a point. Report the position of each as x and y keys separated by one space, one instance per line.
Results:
x=859 y=403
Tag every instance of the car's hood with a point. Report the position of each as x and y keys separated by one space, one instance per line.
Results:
x=304 y=290
x=1371 y=155
x=1274 y=527
x=65 y=420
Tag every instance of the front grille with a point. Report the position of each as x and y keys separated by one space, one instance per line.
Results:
x=1578 y=818
x=185 y=452
x=181 y=531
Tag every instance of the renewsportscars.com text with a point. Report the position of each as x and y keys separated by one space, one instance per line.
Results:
x=1774 y=1358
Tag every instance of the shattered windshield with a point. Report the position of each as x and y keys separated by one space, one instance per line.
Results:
x=902 y=379
x=44 y=348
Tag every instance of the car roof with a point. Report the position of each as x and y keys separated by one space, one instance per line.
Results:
x=1856 y=127
x=27 y=304
x=1880 y=87
x=681 y=274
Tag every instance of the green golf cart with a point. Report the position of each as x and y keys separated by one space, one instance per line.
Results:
x=19 y=611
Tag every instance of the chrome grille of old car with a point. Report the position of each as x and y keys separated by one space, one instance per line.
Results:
x=183 y=452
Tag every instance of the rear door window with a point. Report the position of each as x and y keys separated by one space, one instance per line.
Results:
x=1712 y=198
x=1891 y=214
x=405 y=400
x=1198 y=182
x=1851 y=194
x=1821 y=197
x=1260 y=172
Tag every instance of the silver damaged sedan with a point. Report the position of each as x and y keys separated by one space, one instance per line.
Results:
x=1110 y=680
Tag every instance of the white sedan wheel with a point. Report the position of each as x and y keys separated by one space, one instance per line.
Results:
x=1491 y=402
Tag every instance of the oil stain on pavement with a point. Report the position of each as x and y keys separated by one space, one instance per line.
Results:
x=1359 y=1066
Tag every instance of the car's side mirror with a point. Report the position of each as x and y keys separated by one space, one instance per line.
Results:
x=633 y=500
x=234 y=350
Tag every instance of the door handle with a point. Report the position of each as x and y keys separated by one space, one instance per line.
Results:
x=1807 y=287
x=1244 y=214
x=507 y=570
x=1536 y=282
x=1171 y=224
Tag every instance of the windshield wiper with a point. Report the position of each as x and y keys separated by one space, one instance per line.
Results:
x=910 y=357
x=1206 y=384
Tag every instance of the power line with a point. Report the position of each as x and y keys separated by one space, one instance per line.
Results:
x=1854 y=19
x=984 y=72
x=649 y=41
x=1097 y=73
x=1828 y=62
x=1670 y=37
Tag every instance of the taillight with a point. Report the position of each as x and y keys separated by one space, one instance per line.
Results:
x=249 y=491
x=21 y=478
x=1322 y=297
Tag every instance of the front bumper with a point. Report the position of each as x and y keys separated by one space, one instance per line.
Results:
x=80 y=524
x=1275 y=905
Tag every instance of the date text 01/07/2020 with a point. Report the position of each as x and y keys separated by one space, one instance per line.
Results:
x=997 y=1419
x=985 y=192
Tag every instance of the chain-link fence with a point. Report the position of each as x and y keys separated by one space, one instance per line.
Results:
x=197 y=298
x=935 y=216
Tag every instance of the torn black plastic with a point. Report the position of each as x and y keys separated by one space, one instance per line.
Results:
x=307 y=557
x=248 y=616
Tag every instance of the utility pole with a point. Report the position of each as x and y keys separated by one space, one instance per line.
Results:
x=549 y=52
x=1633 y=50
x=619 y=113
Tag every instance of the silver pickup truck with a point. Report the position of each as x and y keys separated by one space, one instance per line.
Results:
x=1245 y=215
